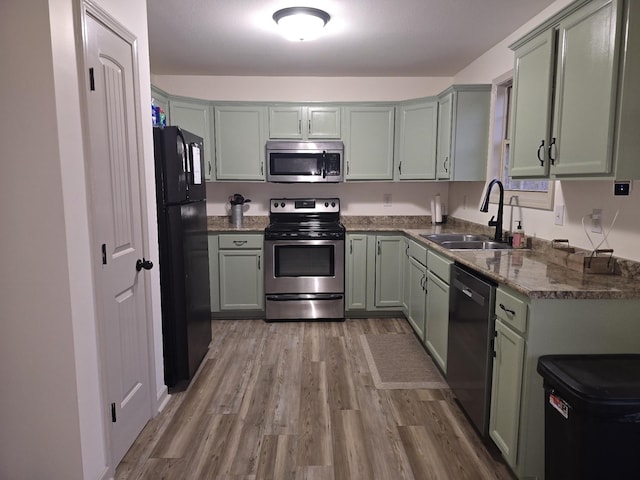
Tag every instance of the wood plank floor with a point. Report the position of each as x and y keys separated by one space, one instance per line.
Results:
x=296 y=401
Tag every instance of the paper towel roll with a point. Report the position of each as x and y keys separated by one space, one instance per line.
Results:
x=438 y=209
x=433 y=211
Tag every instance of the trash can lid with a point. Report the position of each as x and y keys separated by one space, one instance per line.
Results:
x=609 y=378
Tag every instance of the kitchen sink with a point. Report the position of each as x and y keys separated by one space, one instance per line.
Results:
x=475 y=245
x=465 y=241
x=455 y=237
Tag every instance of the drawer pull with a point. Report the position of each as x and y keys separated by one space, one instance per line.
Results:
x=239 y=242
x=512 y=312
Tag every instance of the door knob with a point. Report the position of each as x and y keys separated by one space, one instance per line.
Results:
x=146 y=264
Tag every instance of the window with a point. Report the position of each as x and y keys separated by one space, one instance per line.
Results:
x=537 y=193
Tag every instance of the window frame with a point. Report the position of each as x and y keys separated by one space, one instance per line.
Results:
x=500 y=128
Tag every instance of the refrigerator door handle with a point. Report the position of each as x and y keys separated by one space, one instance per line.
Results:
x=185 y=150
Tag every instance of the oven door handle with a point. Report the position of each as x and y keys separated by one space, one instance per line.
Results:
x=292 y=297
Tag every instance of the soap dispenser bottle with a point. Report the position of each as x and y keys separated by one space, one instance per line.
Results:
x=518 y=237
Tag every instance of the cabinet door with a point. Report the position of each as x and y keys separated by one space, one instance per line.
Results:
x=285 y=122
x=418 y=298
x=505 y=391
x=585 y=90
x=531 y=116
x=240 y=142
x=241 y=280
x=368 y=143
x=356 y=272
x=443 y=160
x=469 y=139
x=195 y=117
x=323 y=122
x=417 y=139
x=389 y=271
x=214 y=273
x=437 y=323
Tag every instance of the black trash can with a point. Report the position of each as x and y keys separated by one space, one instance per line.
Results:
x=592 y=416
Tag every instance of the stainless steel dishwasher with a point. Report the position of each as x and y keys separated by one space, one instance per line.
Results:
x=470 y=344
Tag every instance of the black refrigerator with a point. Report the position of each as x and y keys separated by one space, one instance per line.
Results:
x=184 y=253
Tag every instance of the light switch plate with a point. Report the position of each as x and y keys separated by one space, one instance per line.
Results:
x=559 y=215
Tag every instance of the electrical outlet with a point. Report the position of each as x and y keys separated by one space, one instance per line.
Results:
x=386 y=200
x=559 y=215
x=596 y=220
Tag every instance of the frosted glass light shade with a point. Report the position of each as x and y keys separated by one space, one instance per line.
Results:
x=301 y=23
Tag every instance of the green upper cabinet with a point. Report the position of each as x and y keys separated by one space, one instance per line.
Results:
x=368 y=142
x=584 y=126
x=195 y=116
x=463 y=133
x=531 y=118
x=240 y=142
x=417 y=140
x=304 y=122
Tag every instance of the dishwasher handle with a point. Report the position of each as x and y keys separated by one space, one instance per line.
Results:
x=469 y=292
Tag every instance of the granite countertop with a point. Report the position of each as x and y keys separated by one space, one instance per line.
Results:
x=526 y=271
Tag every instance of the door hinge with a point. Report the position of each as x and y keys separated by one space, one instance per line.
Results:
x=104 y=253
x=113 y=412
x=92 y=83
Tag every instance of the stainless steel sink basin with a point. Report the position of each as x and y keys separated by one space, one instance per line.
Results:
x=476 y=245
x=455 y=237
x=465 y=241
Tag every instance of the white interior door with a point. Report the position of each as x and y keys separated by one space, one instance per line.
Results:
x=117 y=230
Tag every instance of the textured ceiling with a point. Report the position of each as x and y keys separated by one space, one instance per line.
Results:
x=363 y=37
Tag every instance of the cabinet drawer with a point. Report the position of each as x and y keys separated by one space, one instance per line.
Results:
x=511 y=309
x=418 y=252
x=440 y=266
x=240 y=241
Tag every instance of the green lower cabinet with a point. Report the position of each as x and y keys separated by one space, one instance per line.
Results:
x=356 y=272
x=214 y=274
x=241 y=280
x=437 y=319
x=389 y=268
x=505 y=390
x=418 y=296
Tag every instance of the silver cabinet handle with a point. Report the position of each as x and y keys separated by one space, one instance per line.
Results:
x=446 y=164
x=261 y=168
x=300 y=126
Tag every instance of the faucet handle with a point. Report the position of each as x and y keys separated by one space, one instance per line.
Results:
x=492 y=222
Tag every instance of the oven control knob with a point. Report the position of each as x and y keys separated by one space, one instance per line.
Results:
x=326 y=204
x=275 y=204
x=333 y=204
x=282 y=204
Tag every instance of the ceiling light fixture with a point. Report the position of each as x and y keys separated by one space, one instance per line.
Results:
x=301 y=23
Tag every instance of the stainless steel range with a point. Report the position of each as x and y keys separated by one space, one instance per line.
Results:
x=304 y=260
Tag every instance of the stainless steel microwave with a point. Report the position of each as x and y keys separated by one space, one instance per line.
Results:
x=294 y=162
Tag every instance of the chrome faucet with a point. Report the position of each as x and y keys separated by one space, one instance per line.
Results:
x=485 y=208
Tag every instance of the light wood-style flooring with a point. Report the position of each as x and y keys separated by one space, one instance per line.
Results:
x=296 y=401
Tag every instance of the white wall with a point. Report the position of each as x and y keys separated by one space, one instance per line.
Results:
x=578 y=197
x=301 y=89
x=366 y=198
x=51 y=407
x=39 y=406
